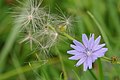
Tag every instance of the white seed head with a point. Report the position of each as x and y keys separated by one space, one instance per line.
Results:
x=46 y=38
x=30 y=15
x=66 y=22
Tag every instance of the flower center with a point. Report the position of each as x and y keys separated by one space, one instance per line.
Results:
x=88 y=52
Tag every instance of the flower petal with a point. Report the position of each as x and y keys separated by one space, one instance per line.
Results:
x=85 y=40
x=77 y=43
x=73 y=52
x=81 y=61
x=100 y=52
x=77 y=48
x=85 y=65
x=91 y=41
x=89 y=61
x=93 y=58
x=98 y=47
x=77 y=57
x=97 y=41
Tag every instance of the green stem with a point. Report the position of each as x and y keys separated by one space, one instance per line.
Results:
x=68 y=36
x=17 y=65
x=101 y=30
x=21 y=70
x=8 y=46
x=77 y=76
x=93 y=74
x=63 y=68
x=100 y=70
x=106 y=58
x=109 y=60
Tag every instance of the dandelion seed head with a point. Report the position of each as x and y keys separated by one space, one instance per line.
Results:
x=30 y=17
x=67 y=22
x=46 y=37
x=36 y=22
x=63 y=21
x=87 y=52
x=30 y=38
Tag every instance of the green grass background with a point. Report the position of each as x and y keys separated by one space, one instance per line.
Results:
x=17 y=62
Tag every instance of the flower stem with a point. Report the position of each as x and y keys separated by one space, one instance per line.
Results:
x=62 y=64
x=21 y=70
x=110 y=60
x=68 y=36
x=100 y=70
x=93 y=74
x=106 y=58
x=77 y=76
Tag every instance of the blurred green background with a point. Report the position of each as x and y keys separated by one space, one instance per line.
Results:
x=23 y=64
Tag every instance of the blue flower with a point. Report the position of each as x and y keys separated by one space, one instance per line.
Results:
x=87 y=52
